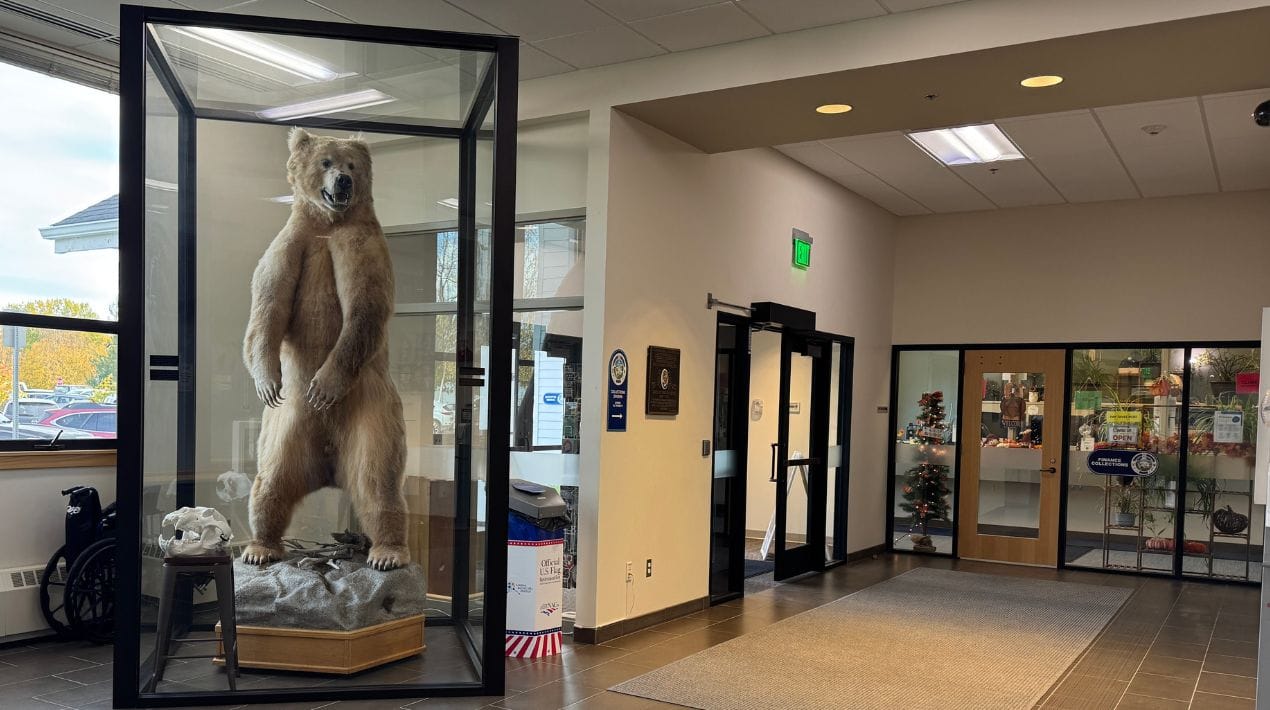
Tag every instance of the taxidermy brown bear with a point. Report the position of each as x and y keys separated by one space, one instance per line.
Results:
x=317 y=348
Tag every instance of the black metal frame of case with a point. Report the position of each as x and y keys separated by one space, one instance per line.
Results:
x=1068 y=349
x=496 y=91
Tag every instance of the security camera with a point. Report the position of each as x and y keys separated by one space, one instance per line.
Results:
x=1262 y=114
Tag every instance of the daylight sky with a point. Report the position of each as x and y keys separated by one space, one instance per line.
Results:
x=60 y=155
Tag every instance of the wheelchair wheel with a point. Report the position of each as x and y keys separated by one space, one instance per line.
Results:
x=53 y=593
x=90 y=592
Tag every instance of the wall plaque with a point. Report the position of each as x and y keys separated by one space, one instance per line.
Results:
x=663 y=381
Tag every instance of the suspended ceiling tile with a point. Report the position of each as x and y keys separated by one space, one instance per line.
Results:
x=1071 y=151
x=1177 y=161
x=425 y=14
x=702 y=27
x=44 y=32
x=631 y=10
x=785 y=16
x=1015 y=183
x=606 y=45
x=820 y=158
x=894 y=159
x=883 y=195
x=906 y=5
x=535 y=63
x=1240 y=146
x=539 y=19
x=99 y=12
x=289 y=9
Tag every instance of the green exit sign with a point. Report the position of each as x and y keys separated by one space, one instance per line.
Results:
x=802 y=250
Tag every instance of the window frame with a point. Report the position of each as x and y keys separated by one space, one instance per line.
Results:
x=76 y=325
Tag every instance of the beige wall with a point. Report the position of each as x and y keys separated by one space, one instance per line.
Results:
x=681 y=223
x=1171 y=268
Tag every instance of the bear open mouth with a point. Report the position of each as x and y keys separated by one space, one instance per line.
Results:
x=338 y=202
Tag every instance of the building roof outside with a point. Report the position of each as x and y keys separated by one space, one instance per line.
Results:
x=104 y=210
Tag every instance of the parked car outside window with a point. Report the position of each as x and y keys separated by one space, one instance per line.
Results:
x=30 y=410
x=101 y=422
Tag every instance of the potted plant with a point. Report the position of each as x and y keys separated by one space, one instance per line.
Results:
x=1224 y=366
x=1125 y=503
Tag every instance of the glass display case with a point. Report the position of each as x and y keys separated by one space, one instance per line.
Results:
x=325 y=360
x=925 y=430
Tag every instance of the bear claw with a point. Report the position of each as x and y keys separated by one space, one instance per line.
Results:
x=255 y=554
x=387 y=557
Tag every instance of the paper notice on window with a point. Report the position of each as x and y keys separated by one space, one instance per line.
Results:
x=1123 y=434
x=1228 y=427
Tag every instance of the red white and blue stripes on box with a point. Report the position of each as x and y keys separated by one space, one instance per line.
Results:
x=533 y=644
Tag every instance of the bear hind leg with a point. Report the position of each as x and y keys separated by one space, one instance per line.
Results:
x=372 y=466
x=288 y=466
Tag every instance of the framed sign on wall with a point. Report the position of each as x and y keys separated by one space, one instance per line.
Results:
x=663 y=381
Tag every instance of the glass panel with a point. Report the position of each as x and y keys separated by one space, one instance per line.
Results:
x=1223 y=526
x=274 y=77
x=799 y=418
x=47 y=363
x=61 y=222
x=1013 y=408
x=923 y=374
x=1126 y=400
x=835 y=462
x=549 y=257
x=727 y=455
x=222 y=442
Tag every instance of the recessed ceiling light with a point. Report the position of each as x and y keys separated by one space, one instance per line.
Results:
x=245 y=45
x=327 y=104
x=833 y=108
x=1042 y=81
x=967 y=145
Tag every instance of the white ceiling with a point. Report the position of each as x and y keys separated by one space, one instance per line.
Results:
x=1209 y=144
x=559 y=35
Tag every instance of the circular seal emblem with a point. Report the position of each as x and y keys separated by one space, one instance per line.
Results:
x=665 y=378
x=1144 y=464
x=617 y=368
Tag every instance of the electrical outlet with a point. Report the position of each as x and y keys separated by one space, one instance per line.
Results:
x=648 y=568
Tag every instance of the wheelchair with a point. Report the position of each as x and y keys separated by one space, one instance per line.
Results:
x=77 y=588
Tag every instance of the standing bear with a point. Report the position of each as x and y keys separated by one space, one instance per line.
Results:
x=317 y=348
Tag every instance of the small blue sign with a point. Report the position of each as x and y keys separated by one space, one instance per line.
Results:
x=1117 y=462
x=619 y=374
x=552 y=398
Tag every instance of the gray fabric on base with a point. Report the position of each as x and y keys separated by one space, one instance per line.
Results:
x=928 y=638
x=286 y=595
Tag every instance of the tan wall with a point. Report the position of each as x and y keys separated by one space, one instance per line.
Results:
x=1172 y=268
x=681 y=223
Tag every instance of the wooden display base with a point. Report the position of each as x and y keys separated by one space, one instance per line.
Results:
x=321 y=651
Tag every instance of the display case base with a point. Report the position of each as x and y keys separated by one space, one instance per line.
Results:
x=322 y=651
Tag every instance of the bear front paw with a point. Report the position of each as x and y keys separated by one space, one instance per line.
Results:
x=326 y=389
x=269 y=392
x=257 y=554
x=385 y=557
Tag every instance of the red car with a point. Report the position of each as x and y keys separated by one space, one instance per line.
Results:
x=99 y=421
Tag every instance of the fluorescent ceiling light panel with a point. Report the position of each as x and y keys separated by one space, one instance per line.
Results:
x=245 y=45
x=327 y=104
x=967 y=145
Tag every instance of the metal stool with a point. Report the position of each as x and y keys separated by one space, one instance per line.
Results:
x=221 y=568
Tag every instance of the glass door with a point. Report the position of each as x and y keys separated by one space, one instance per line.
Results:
x=1010 y=483
x=802 y=453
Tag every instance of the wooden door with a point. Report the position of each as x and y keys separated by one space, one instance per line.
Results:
x=1011 y=449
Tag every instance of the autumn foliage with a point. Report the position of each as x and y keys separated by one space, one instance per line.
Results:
x=52 y=357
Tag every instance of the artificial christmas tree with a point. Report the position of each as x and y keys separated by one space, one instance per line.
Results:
x=926 y=484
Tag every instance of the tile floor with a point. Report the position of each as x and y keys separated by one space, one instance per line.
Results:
x=1173 y=645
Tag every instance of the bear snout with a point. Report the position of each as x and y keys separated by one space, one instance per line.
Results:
x=343 y=183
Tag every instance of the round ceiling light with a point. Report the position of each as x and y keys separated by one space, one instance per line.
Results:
x=1040 y=82
x=833 y=108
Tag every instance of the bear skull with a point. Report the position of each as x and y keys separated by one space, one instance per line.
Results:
x=190 y=532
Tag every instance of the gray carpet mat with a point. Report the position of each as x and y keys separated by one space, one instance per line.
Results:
x=926 y=639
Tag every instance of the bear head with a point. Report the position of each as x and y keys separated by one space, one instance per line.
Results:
x=328 y=175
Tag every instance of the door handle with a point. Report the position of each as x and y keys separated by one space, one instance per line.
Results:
x=772 y=478
x=1051 y=469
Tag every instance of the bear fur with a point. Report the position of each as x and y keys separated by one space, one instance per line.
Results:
x=317 y=348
